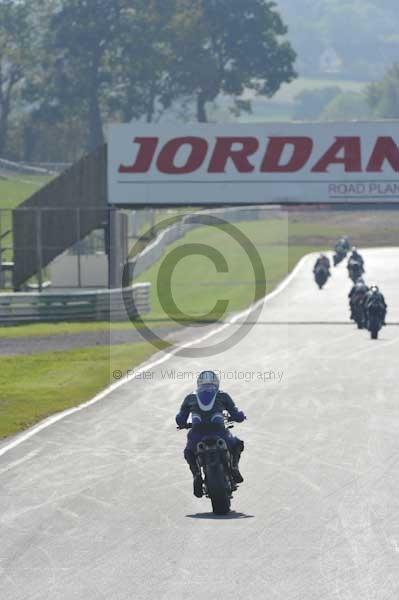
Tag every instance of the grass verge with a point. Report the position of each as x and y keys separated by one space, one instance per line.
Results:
x=15 y=189
x=50 y=329
x=36 y=386
x=192 y=288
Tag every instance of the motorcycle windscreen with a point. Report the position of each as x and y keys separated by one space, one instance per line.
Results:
x=206 y=396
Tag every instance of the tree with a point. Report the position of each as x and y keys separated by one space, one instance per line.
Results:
x=146 y=65
x=15 y=40
x=235 y=46
x=82 y=34
x=383 y=97
x=91 y=61
x=115 y=60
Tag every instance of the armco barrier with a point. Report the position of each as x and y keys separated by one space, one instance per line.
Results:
x=22 y=168
x=154 y=251
x=98 y=305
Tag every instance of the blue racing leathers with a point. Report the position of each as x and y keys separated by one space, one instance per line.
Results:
x=207 y=421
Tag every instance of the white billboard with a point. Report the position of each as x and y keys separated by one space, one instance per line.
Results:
x=211 y=164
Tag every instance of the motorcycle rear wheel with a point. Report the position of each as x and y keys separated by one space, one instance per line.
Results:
x=219 y=495
x=221 y=505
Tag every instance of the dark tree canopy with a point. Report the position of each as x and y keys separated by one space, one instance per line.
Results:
x=90 y=62
x=238 y=45
x=15 y=58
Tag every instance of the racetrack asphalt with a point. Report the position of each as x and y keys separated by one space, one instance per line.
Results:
x=99 y=505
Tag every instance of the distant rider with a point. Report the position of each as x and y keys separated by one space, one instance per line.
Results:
x=343 y=245
x=322 y=261
x=357 y=294
x=206 y=406
x=356 y=257
x=346 y=243
x=375 y=298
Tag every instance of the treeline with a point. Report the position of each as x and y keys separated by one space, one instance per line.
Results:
x=363 y=34
x=377 y=100
x=68 y=67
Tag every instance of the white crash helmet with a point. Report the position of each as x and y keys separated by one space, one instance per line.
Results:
x=207 y=389
x=207 y=378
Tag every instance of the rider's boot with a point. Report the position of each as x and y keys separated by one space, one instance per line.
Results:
x=236 y=454
x=197 y=478
x=197 y=481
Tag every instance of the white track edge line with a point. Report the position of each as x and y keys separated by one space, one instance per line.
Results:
x=23 y=437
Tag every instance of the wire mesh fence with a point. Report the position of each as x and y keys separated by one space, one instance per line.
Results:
x=67 y=246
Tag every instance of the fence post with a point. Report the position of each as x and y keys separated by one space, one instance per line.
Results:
x=79 y=247
x=39 y=249
x=112 y=248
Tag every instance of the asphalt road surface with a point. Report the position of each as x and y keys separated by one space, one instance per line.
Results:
x=99 y=506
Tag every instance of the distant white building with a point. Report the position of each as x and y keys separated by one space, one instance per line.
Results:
x=330 y=61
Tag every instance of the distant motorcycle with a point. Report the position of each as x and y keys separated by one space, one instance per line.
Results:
x=358 y=315
x=339 y=257
x=375 y=320
x=355 y=270
x=215 y=462
x=321 y=275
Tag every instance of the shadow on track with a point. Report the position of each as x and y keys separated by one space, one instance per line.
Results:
x=231 y=515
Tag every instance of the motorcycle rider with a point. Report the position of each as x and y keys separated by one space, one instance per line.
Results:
x=375 y=298
x=346 y=243
x=206 y=406
x=357 y=294
x=343 y=245
x=322 y=261
x=355 y=256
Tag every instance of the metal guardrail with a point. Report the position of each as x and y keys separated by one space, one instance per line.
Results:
x=51 y=167
x=98 y=305
x=23 y=168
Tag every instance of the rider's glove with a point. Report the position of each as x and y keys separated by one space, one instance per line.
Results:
x=180 y=421
x=240 y=417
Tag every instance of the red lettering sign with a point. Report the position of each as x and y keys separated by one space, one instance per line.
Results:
x=144 y=157
x=301 y=150
x=282 y=155
x=351 y=159
x=167 y=156
x=224 y=151
x=385 y=149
